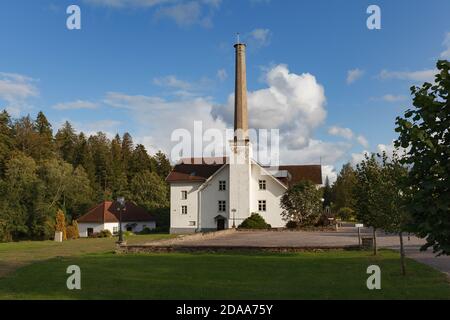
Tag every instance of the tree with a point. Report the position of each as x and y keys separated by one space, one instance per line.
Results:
x=163 y=166
x=369 y=176
x=149 y=190
x=379 y=196
x=65 y=142
x=343 y=188
x=26 y=137
x=302 y=204
x=424 y=132
x=43 y=128
x=327 y=193
x=18 y=195
x=60 y=225
x=6 y=140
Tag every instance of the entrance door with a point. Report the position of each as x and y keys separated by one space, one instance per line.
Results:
x=90 y=232
x=220 y=224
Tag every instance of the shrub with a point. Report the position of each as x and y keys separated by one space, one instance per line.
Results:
x=71 y=232
x=102 y=234
x=292 y=225
x=346 y=213
x=127 y=233
x=146 y=230
x=61 y=224
x=255 y=221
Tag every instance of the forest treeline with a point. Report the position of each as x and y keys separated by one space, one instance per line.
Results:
x=42 y=171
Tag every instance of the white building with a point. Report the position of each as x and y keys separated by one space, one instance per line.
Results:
x=219 y=193
x=105 y=216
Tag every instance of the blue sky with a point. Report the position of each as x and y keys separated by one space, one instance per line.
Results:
x=150 y=66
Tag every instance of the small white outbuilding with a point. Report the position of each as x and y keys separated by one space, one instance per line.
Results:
x=105 y=216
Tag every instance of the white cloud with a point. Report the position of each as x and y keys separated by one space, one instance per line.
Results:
x=222 y=74
x=341 y=132
x=157 y=118
x=394 y=98
x=356 y=158
x=259 y=37
x=330 y=172
x=317 y=151
x=294 y=104
x=423 y=75
x=188 y=13
x=353 y=75
x=446 y=53
x=362 y=141
x=16 y=90
x=74 y=105
x=172 y=82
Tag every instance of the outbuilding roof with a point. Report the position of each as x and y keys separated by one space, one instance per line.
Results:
x=108 y=211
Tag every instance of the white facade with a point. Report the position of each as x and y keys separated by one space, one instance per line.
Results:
x=113 y=227
x=242 y=193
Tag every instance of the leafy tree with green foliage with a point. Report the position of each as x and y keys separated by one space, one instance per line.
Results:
x=6 y=140
x=255 y=221
x=44 y=132
x=380 y=195
x=302 y=204
x=343 y=188
x=149 y=190
x=424 y=132
x=327 y=193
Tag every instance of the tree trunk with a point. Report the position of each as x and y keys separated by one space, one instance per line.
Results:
x=375 y=249
x=402 y=254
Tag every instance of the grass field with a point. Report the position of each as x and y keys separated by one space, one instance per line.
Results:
x=323 y=275
x=16 y=254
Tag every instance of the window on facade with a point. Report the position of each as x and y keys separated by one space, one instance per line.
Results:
x=222 y=185
x=262 y=205
x=262 y=184
x=115 y=230
x=192 y=223
x=183 y=195
x=183 y=209
x=222 y=206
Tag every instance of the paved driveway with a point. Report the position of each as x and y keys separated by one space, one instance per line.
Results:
x=344 y=237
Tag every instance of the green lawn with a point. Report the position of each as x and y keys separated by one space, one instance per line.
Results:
x=323 y=275
x=17 y=254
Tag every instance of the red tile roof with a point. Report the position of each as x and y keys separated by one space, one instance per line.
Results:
x=195 y=169
x=107 y=211
x=199 y=170
x=304 y=172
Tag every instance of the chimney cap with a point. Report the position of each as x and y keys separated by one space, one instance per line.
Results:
x=240 y=44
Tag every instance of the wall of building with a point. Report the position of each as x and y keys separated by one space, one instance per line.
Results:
x=273 y=193
x=240 y=179
x=210 y=196
x=113 y=226
x=184 y=223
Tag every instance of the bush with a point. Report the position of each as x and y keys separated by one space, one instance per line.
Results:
x=146 y=230
x=127 y=233
x=102 y=234
x=61 y=224
x=346 y=213
x=255 y=221
x=292 y=225
x=72 y=232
